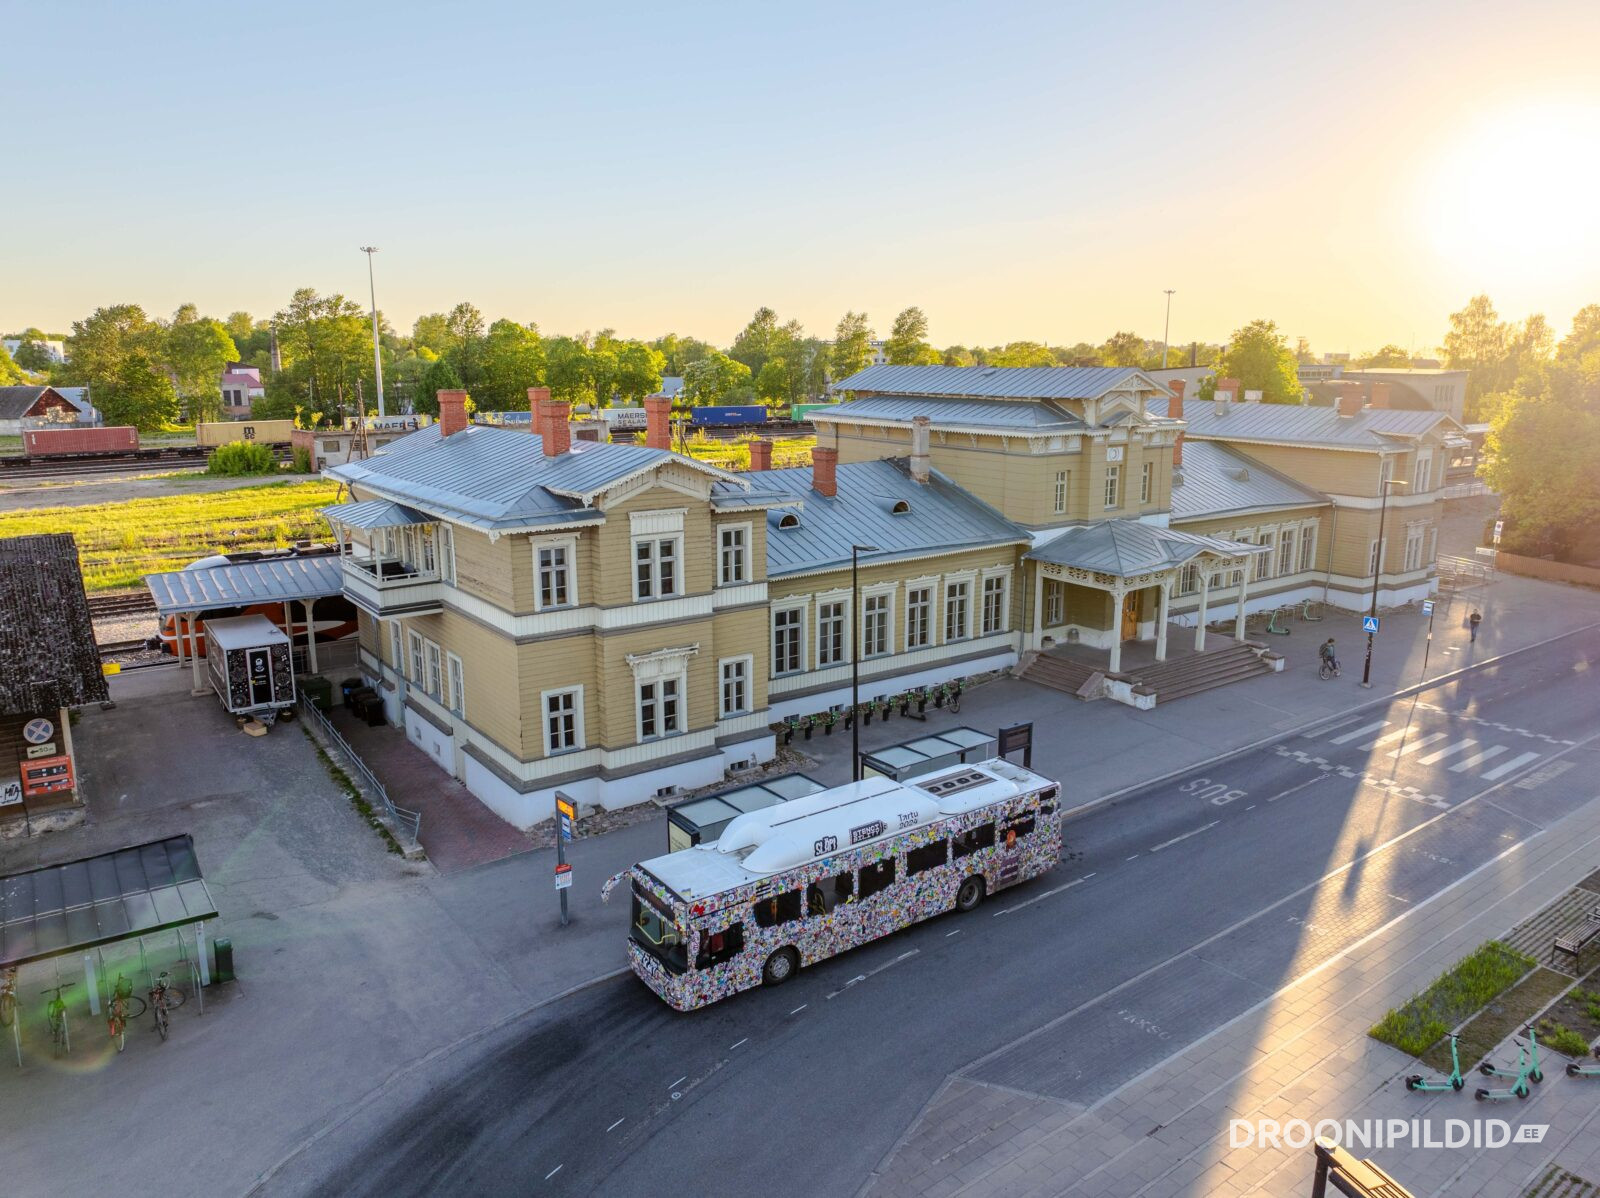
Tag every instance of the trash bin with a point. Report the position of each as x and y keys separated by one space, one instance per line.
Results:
x=318 y=690
x=223 y=972
x=347 y=688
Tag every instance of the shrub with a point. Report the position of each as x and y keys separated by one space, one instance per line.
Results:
x=1454 y=995
x=239 y=458
x=1562 y=1038
x=302 y=460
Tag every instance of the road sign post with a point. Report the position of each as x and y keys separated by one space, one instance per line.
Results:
x=1427 y=646
x=566 y=816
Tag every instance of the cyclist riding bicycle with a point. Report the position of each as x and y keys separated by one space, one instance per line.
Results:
x=1325 y=652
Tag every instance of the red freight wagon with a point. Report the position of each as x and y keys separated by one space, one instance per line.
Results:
x=55 y=442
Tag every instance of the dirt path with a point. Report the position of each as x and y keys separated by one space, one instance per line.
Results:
x=69 y=491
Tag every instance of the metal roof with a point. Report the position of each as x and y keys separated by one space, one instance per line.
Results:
x=245 y=632
x=1295 y=424
x=47 y=654
x=1126 y=548
x=1005 y=382
x=97 y=900
x=942 y=518
x=239 y=584
x=373 y=513
x=1219 y=480
x=962 y=413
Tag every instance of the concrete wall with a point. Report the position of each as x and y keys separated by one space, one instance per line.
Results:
x=1539 y=567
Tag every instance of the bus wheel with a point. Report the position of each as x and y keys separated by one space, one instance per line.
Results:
x=970 y=894
x=779 y=968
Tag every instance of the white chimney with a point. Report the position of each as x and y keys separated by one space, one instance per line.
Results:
x=919 y=449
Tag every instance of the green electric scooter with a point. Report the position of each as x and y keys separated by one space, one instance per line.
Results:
x=1416 y=1083
x=1532 y=1073
x=1576 y=1070
x=1519 y=1087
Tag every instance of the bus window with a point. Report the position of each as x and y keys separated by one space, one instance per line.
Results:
x=825 y=894
x=781 y=908
x=1020 y=827
x=658 y=935
x=973 y=839
x=876 y=877
x=927 y=857
x=720 y=946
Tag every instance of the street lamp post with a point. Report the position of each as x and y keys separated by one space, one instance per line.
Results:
x=855 y=657
x=1166 y=330
x=1377 y=572
x=377 y=355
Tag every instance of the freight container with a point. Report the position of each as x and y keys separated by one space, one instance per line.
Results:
x=727 y=417
x=620 y=417
x=55 y=442
x=251 y=667
x=222 y=432
x=802 y=411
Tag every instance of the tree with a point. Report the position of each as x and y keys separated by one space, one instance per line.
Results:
x=757 y=341
x=431 y=332
x=326 y=345
x=567 y=369
x=464 y=343
x=714 y=378
x=1260 y=358
x=440 y=375
x=639 y=371
x=1123 y=349
x=198 y=350
x=852 y=348
x=513 y=361
x=10 y=373
x=1541 y=455
x=101 y=343
x=1022 y=353
x=957 y=355
x=32 y=354
x=240 y=326
x=141 y=394
x=1081 y=354
x=908 y=340
x=1390 y=355
x=679 y=352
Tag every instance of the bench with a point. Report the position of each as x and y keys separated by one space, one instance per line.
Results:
x=1572 y=944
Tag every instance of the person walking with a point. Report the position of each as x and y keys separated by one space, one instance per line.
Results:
x=1473 y=621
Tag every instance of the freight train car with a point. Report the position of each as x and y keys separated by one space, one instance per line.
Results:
x=223 y=432
x=802 y=411
x=79 y=442
x=731 y=416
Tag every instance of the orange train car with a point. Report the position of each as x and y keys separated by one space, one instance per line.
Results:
x=335 y=615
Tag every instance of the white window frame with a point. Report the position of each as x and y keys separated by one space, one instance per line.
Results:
x=885 y=596
x=1285 y=550
x=447 y=553
x=568 y=547
x=1308 y=545
x=1189 y=578
x=745 y=536
x=965 y=582
x=1385 y=472
x=434 y=655
x=1055 y=603
x=1268 y=539
x=397 y=647
x=1422 y=473
x=654 y=559
x=1113 y=487
x=841 y=599
x=456 y=679
x=414 y=644
x=576 y=694
x=798 y=627
x=1003 y=611
x=929 y=588
x=1061 y=492
x=1374 y=557
x=658 y=686
x=1415 y=536
x=746 y=667
x=1147 y=482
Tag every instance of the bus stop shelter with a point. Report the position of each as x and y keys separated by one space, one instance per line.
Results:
x=701 y=819
x=71 y=912
x=913 y=758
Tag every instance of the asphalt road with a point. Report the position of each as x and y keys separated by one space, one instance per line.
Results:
x=1190 y=902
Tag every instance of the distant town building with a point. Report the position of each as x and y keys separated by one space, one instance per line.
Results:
x=241 y=387
x=34 y=407
x=56 y=349
x=1418 y=388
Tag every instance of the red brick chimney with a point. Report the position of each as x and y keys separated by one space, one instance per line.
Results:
x=658 y=421
x=452 y=412
x=1380 y=395
x=554 y=432
x=1350 y=401
x=761 y=454
x=824 y=463
x=1175 y=410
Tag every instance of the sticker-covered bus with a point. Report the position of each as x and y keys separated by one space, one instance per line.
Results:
x=797 y=883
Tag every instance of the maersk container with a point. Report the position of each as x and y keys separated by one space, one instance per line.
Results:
x=58 y=442
x=728 y=417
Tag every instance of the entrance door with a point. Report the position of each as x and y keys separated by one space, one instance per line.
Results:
x=1130 y=616
x=260 y=677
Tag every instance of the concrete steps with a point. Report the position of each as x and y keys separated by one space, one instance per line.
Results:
x=1059 y=673
x=1200 y=672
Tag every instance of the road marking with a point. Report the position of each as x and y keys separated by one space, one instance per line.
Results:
x=1130 y=858
x=679 y=1082
x=1421 y=742
x=554 y=1171
x=1386 y=738
x=1477 y=758
x=861 y=977
x=1447 y=751
x=1038 y=898
x=731 y=1047
x=1286 y=793
x=1399 y=898
x=1327 y=728
x=957 y=932
x=1252 y=807
x=1500 y=771
x=1166 y=844
x=800 y=1008
x=624 y=1119
x=1359 y=732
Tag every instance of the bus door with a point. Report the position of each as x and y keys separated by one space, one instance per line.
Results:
x=1014 y=832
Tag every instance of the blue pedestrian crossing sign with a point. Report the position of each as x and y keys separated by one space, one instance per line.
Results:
x=1427 y=607
x=1369 y=623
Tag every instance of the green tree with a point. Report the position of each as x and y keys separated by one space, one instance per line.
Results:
x=1390 y=355
x=1123 y=349
x=639 y=371
x=1541 y=455
x=568 y=371
x=1081 y=354
x=852 y=346
x=716 y=378
x=513 y=361
x=101 y=343
x=1260 y=358
x=757 y=341
x=198 y=349
x=326 y=345
x=678 y=352
x=10 y=373
x=141 y=394
x=465 y=343
x=440 y=375
x=431 y=332
x=957 y=355
x=1022 y=353
x=32 y=354
x=907 y=344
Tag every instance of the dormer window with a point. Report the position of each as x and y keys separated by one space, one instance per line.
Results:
x=788 y=520
x=901 y=507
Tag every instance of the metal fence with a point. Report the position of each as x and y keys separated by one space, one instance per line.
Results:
x=1466 y=490
x=407 y=823
x=332 y=657
x=1459 y=573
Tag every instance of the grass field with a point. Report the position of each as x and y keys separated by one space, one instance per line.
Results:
x=120 y=542
x=735 y=455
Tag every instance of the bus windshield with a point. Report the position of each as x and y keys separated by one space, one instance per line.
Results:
x=655 y=932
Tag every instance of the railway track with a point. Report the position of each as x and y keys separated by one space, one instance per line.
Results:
x=123 y=604
x=112 y=648
x=19 y=468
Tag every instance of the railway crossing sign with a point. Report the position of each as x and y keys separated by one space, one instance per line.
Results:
x=1369 y=623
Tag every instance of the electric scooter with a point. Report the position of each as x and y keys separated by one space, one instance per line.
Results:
x=1576 y=1070
x=1531 y=1072
x=1418 y=1084
x=1519 y=1088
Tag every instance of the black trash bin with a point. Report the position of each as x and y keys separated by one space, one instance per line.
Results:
x=347 y=688
x=224 y=953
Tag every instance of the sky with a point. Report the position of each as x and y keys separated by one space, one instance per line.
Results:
x=1040 y=171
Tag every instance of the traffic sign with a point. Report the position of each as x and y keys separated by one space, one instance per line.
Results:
x=566 y=813
x=1369 y=623
x=1427 y=607
x=563 y=877
x=1499 y=527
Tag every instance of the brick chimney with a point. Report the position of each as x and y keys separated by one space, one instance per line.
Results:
x=1350 y=401
x=1175 y=410
x=452 y=412
x=761 y=454
x=1380 y=396
x=921 y=461
x=554 y=433
x=1226 y=395
x=658 y=421
x=824 y=464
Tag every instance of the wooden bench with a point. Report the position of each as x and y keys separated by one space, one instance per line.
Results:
x=1572 y=944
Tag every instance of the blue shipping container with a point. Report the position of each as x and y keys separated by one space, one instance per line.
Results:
x=723 y=417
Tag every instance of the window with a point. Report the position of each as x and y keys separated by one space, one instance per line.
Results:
x=435 y=673
x=874 y=878
x=456 y=700
x=955 y=610
x=1286 y=551
x=780 y=908
x=994 y=604
x=1113 y=485
x=553 y=576
x=659 y=713
x=830 y=633
x=875 y=625
x=396 y=650
x=929 y=856
x=427 y=558
x=1189 y=580
x=416 y=658
x=1414 y=548
x=1385 y=473
x=787 y=626
x=823 y=895
x=1061 y=492
x=717 y=947
x=919 y=611
x=1374 y=555
x=735 y=686
x=330 y=447
x=1263 y=567
x=655 y=568
x=562 y=717
x=964 y=844
x=733 y=555
x=447 y=554
x=1420 y=478
x=1016 y=829
x=1147 y=482
x=1055 y=603
x=1308 y=546
x=654 y=931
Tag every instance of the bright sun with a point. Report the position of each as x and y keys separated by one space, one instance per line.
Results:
x=1519 y=192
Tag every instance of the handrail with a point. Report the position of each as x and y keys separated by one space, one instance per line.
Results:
x=407 y=822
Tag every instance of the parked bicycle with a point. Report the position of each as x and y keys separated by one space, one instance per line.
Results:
x=8 y=995
x=56 y=1010
x=122 y=1008
x=164 y=997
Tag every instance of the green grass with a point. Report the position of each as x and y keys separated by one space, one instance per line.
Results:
x=120 y=542
x=1562 y=1038
x=1453 y=996
x=352 y=792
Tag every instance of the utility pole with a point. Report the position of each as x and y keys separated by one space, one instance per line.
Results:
x=1166 y=330
x=377 y=353
x=1377 y=572
x=855 y=657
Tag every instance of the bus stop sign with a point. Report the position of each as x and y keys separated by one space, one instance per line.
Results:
x=1017 y=737
x=566 y=813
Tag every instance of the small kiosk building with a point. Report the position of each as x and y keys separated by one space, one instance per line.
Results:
x=251 y=667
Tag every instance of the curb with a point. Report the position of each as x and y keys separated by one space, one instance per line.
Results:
x=1125 y=792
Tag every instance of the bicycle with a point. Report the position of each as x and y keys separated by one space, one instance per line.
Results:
x=121 y=1009
x=56 y=1010
x=8 y=996
x=164 y=997
x=1330 y=668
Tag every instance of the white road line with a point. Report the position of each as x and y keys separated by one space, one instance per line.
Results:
x=1327 y=728
x=957 y=932
x=1447 y=751
x=1385 y=739
x=554 y=1171
x=800 y=1008
x=617 y=1124
x=679 y=1082
x=731 y=1047
x=1421 y=742
x=1500 y=771
x=1399 y=898
x=1039 y=898
x=1359 y=732
x=1086 y=877
x=1252 y=807
x=861 y=977
x=1165 y=844
x=1130 y=858
x=1283 y=794
x=1478 y=758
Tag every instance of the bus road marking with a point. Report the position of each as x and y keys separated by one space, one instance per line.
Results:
x=1039 y=898
x=1167 y=844
x=1286 y=793
x=1130 y=858
x=679 y=1082
x=861 y=977
x=554 y=1171
x=617 y=1124
x=957 y=932
x=746 y=1040
x=800 y=1008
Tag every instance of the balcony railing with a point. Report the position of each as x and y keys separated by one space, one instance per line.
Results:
x=386 y=586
